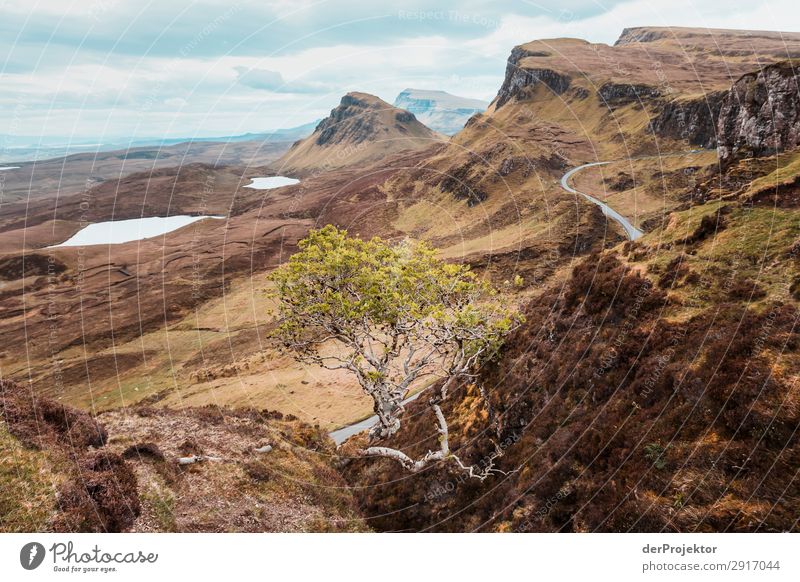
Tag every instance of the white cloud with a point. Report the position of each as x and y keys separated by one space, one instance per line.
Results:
x=606 y=27
x=220 y=88
x=269 y=80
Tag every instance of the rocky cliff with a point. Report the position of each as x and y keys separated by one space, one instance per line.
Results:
x=519 y=79
x=349 y=122
x=656 y=88
x=760 y=115
x=691 y=120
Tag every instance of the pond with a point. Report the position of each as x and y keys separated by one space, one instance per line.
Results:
x=114 y=232
x=270 y=182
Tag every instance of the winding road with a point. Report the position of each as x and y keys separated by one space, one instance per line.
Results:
x=631 y=231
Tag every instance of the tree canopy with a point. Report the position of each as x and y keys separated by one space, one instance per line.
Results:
x=392 y=314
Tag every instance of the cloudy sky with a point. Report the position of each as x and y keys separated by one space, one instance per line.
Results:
x=168 y=68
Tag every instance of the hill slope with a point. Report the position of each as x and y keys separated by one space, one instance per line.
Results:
x=206 y=469
x=656 y=389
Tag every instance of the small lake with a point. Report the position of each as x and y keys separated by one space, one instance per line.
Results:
x=4 y=168
x=114 y=232
x=271 y=182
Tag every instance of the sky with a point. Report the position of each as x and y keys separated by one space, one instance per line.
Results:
x=112 y=69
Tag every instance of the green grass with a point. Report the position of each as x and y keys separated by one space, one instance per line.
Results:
x=752 y=244
x=757 y=232
x=161 y=500
x=27 y=486
x=788 y=169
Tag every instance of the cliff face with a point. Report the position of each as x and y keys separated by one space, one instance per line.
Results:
x=693 y=120
x=655 y=85
x=640 y=34
x=519 y=78
x=761 y=113
x=625 y=93
x=758 y=116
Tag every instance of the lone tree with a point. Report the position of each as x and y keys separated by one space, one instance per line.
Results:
x=391 y=315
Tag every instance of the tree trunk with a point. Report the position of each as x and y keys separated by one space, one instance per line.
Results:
x=388 y=405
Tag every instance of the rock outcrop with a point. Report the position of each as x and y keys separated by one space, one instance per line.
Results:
x=463 y=185
x=761 y=113
x=625 y=93
x=693 y=120
x=518 y=78
x=640 y=34
x=352 y=109
x=362 y=128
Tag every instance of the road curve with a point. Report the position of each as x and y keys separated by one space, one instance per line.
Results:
x=342 y=434
x=631 y=231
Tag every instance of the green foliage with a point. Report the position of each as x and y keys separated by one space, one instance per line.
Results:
x=336 y=284
x=655 y=452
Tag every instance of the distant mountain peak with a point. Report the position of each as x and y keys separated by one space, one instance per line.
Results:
x=439 y=110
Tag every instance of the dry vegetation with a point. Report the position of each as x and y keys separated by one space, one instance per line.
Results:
x=62 y=470
x=656 y=390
